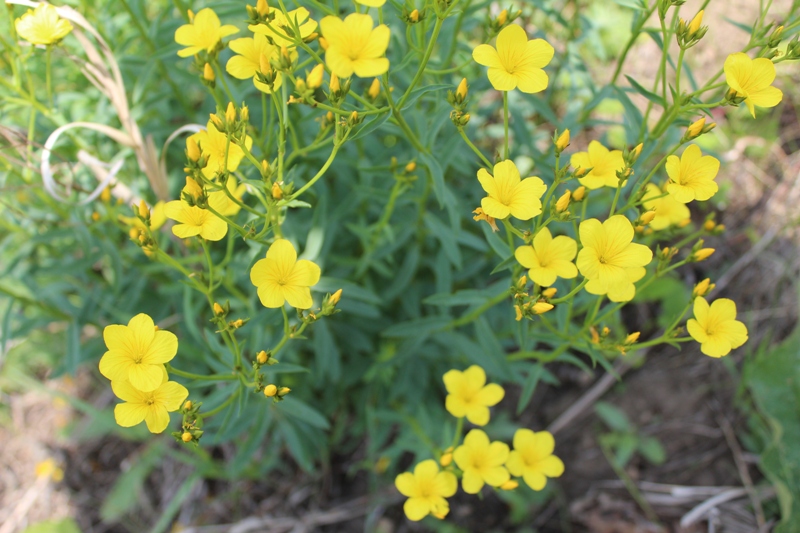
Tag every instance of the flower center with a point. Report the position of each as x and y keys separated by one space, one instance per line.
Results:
x=602 y=259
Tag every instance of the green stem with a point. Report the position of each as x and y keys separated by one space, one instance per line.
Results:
x=469 y=317
x=225 y=404
x=505 y=124
x=458 y=432
x=421 y=70
x=629 y=484
x=571 y=293
x=319 y=174
x=200 y=377
x=48 y=63
x=475 y=149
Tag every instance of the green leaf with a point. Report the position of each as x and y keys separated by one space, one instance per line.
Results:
x=652 y=450
x=613 y=417
x=653 y=97
x=370 y=125
x=67 y=525
x=416 y=94
x=529 y=387
x=437 y=176
x=633 y=4
x=295 y=408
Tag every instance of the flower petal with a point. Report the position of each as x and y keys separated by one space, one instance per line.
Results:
x=157 y=418
x=486 y=55
x=130 y=414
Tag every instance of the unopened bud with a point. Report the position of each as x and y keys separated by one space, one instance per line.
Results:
x=511 y=484
x=334 y=84
x=636 y=152
x=685 y=222
x=283 y=391
x=186 y=437
x=277 y=193
x=244 y=113
x=192 y=149
x=633 y=337
x=217 y=122
x=581 y=172
x=262 y=8
x=134 y=233
x=541 y=307
x=144 y=211
x=709 y=225
x=606 y=331
x=218 y=310
x=314 y=78
x=447 y=457
x=562 y=142
x=264 y=65
x=518 y=313
x=230 y=113
x=105 y=196
x=563 y=202
x=647 y=217
x=695 y=24
x=411 y=166
x=190 y=15
x=579 y=193
x=414 y=16
x=374 y=89
x=502 y=18
x=335 y=297
x=323 y=43
x=262 y=357
x=208 y=72
x=462 y=89
x=187 y=405
x=270 y=390
x=703 y=254
x=95 y=216
x=702 y=288
x=696 y=128
x=549 y=293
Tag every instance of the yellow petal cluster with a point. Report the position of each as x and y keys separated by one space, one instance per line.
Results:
x=193 y=220
x=481 y=461
x=203 y=33
x=752 y=79
x=548 y=258
x=152 y=407
x=426 y=490
x=278 y=28
x=609 y=259
x=216 y=149
x=516 y=62
x=468 y=394
x=668 y=211
x=137 y=353
x=691 y=177
x=282 y=278
x=532 y=458
x=604 y=164
x=715 y=327
x=247 y=61
x=508 y=194
x=42 y=25
x=354 y=46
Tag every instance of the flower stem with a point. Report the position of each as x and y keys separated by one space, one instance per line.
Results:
x=505 y=124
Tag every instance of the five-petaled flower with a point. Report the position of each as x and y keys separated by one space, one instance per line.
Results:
x=604 y=164
x=691 y=176
x=548 y=258
x=668 y=210
x=426 y=490
x=282 y=278
x=609 y=259
x=532 y=458
x=152 y=407
x=510 y=195
x=193 y=220
x=42 y=25
x=247 y=61
x=516 y=62
x=203 y=33
x=715 y=327
x=469 y=395
x=354 y=46
x=752 y=80
x=279 y=29
x=481 y=461
x=137 y=352
x=217 y=150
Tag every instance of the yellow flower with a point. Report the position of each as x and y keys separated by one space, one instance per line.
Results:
x=604 y=164
x=715 y=327
x=371 y=3
x=137 y=352
x=193 y=220
x=481 y=461
x=355 y=47
x=752 y=80
x=157 y=218
x=549 y=258
x=42 y=25
x=222 y=203
x=247 y=62
x=203 y=33
x=516 y=62
x=668 y=211
x=533 y=459
x=609 y=259
x=214 y=145
x=282 y=278
x=426 y=490
x=509 y=195
x=691 y=177
x=277 y=29
x=469 y=395
x=152 y=407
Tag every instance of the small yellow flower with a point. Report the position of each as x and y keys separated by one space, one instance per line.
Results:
x=481 y=461
x=516 y=62
x=214 y=145
x=152 y=407
x=42 y=25
x=703 y=254
x=137 y=353
x=247 y=63
x=371 y=3
x=540 y=308
x=276 y=30
x=426 y=490
x=270 y=390
x=668 y=211
x=604 y=164
x=314 y=78
x=715 y=327
x=533 y=459
x=49 y=468
x=691 y=177
x=282 y=278
x=752 y=79
x=469 y=395
x=204 y=32
x=510 y=195
x=193 y=220
x=354 y=47
x=222 y=203
x=548 y=258
x=609 y=259
x=563 y=202
x=157 y=218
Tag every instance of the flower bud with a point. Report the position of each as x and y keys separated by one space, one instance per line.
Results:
x=374 y=89
x=685 y=222
x=411 y=166
x=447 y=457
x=703 y=254
x=314 y=78
x=522 y=282
x=270 y=390
x=323 y=43
x=95 y=216
x=562 y=142
x=217 y=122
x=702 y=288
x=134 y=233
x=186 y=437
x=709 y=225
x=105 y=196
x=335 y=297
x=647 y=217
x=262 y=8
x=262 y=357
x=502 y=18
x=190 y=16
x=511 y=484
x=605 y=332
x=144 y=211
x=414 y=16
x=218 y=310
x=187 y=405
x=563 y=202
x=541 y=308
x=244 y=113
x=277 y=193
x=208 y=72
x=579 y=194
x=192 y=150
x=635 y=153
x=696 y=128
x=462 y=89
x=549 y=293
x=518 y=313
x=264 y=65
x=581 y=172
x=695 y=24
x=230 y=113
x=633 y=337
x=283 y=391
x=334 y=84
x=665 y=252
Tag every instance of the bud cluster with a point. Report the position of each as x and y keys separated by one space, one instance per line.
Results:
x=190 y=426
x=503 y=18
x=526 y=306
x=690 y=34
x=696 y=129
